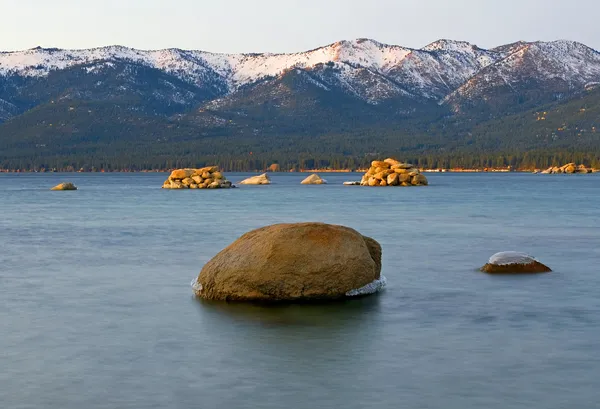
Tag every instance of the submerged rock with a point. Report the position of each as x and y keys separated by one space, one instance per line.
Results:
x=65 y=186
x=257 y=180
x=313 y=179
x=513 y=262
x=293 y=262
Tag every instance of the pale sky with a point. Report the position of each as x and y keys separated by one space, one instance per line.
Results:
x=293 y=25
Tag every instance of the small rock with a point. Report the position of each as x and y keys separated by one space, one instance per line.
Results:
x=513 y=262
x=313 y=179
x=257 y=180
x=65 y=186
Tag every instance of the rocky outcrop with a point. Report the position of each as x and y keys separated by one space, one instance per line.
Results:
x=65 y=186
x=391 y=172
x=293 y=262
x=313 y=179
x=204 y=178
x=512 y=262
x=569 y=168
x=257 y=180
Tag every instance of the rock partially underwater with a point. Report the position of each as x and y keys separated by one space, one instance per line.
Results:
x=391 y=172
x=293 y=262
x=313 y=179
x=204 y=178
x=65 y=186
x=513 y=262
x=257 y=180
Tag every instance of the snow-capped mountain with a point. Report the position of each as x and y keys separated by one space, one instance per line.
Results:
x=453 y=75
x=434 y=72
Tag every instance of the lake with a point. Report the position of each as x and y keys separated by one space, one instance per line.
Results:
x=96 y=308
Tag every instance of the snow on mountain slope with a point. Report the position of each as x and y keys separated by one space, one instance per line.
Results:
x=366 y=68
x=558 y=66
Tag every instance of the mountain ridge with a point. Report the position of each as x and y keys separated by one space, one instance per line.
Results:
x=347 y=88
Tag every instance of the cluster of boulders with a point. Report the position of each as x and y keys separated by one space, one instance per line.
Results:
x=204 y=178
x=568 y=168
x=391 y=172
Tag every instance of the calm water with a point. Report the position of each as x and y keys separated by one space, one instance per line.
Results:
x=96 y=309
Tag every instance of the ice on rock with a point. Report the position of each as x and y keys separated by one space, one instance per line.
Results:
x=371 y=288
x=511 y=257
x=196 y=286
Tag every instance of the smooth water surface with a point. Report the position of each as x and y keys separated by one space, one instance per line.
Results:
x=96 y=309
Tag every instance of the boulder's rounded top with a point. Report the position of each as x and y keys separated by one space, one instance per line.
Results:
x=511 y=257
x=513 y=262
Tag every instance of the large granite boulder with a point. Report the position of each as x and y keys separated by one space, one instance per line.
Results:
x=513 y=262
x=65 y=186
x=293 y=262
x=390 y=172
x=313 y=179
x=204 y=178
x=257 y=180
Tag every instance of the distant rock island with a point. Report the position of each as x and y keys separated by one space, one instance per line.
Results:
x=569 y=168
x=391 y=172
x=65 y=186
x=257 y=180
x=314 y=179
x=204 y=178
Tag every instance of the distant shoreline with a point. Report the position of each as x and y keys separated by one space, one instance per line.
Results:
x=455 y=170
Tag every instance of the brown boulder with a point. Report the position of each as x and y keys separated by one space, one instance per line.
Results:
x=292 y=262
x=512 y=262
x=419 y=180
x=181 y=173
x=400 y=171
x=393 y=179
x=208 y=169
x=403 y=166
x=380 y=164
x=65 y=186
x=405 y=178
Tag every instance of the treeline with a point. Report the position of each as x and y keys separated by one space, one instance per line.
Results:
x=288 y=162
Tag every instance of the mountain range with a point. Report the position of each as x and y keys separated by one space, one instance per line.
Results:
x=351 y=99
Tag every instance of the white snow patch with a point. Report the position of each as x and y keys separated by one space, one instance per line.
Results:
x=511 y=257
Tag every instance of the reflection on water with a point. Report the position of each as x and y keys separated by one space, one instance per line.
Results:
x=325 y=315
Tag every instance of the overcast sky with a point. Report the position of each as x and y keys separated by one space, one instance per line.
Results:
x=292 y=25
